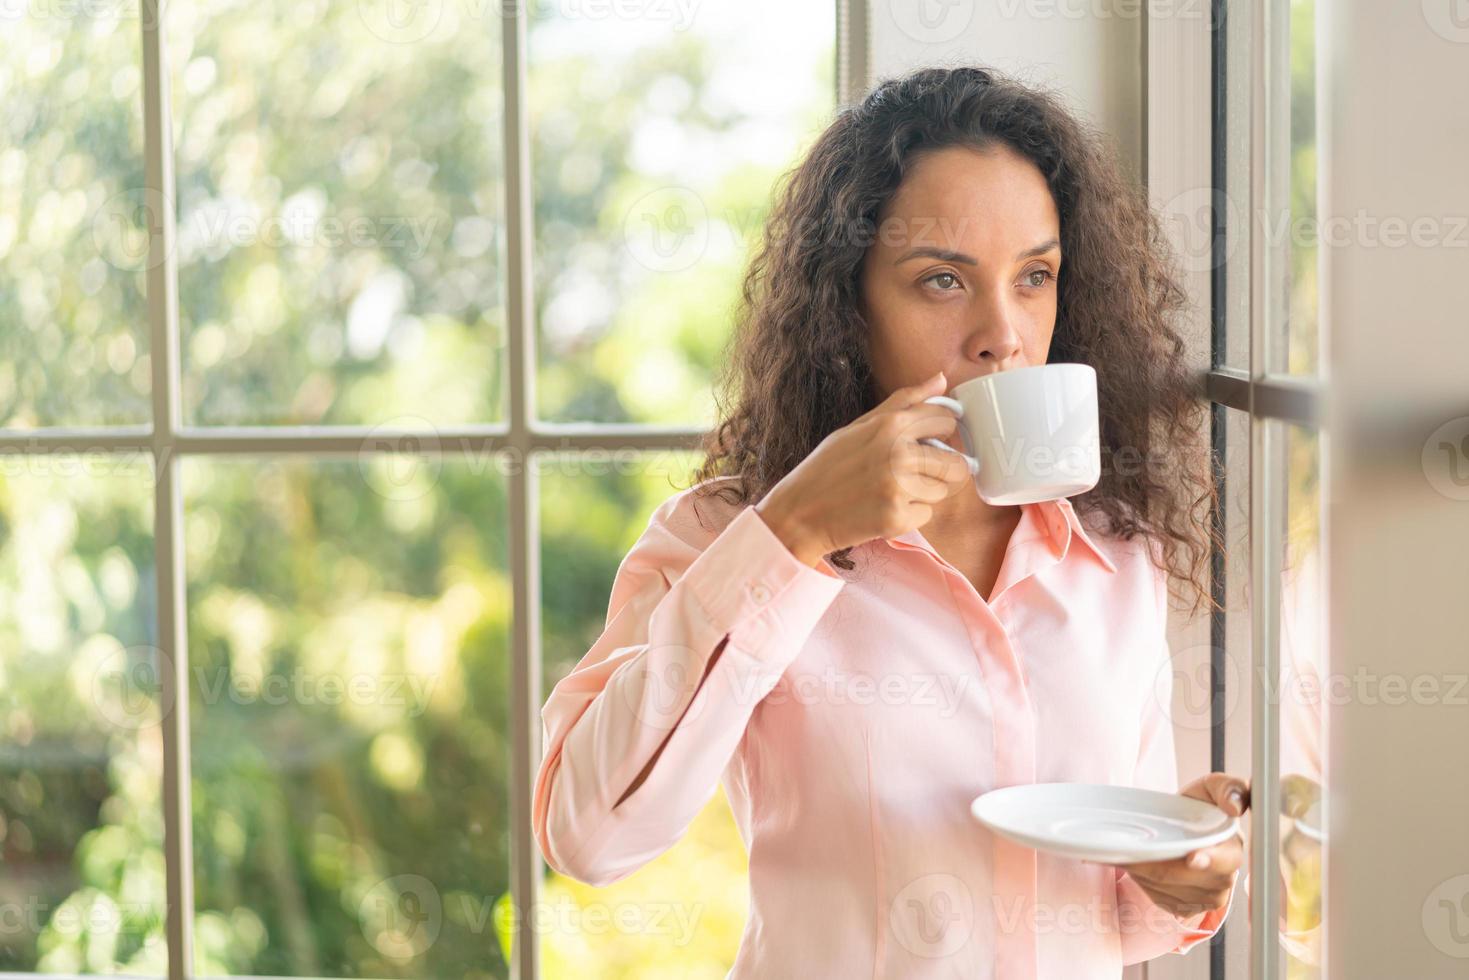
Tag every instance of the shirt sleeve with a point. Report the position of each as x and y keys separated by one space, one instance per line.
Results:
x=1149 y=930
x=646 y=689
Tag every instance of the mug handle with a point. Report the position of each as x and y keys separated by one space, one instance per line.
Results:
x=957 y=408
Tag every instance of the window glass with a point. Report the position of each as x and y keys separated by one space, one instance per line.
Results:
x=340 y=211
x=349 y=630
x=81 y=713
x=73 y=220
x=657 y=137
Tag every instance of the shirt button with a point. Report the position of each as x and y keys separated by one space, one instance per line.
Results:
x=759 y=593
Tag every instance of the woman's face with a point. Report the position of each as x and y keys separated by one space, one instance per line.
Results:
x=961 y=276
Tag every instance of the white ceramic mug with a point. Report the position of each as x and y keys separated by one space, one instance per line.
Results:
x=1029 y=434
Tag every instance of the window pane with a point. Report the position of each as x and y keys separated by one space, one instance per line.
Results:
x=81 y=744
x=1234 y=203
x=349 y=627
x=1297 y=339
x=341 y=229
x=682 y=914
x=73 y=221
x=1303 y=661
x=656 y=142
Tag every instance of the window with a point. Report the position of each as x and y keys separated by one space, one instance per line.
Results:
x=320 y=322
x=74 y=348
x=81 y=774
x=645 y=207
x=1270 y=645
x=340 y=187
x=349 y=685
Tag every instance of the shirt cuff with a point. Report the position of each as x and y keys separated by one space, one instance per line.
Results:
x=752 y=586
x=1200 y=926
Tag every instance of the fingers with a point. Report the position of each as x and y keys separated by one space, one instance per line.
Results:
x=910 y=428
x=1184 y=892
x=929 y=488
x=928 y=473
x=910 y=395
x=1222 y=860
x=913 y=394
x=1187 y=900
x=918 y=421
x=1156 y=872
x=1228 y=792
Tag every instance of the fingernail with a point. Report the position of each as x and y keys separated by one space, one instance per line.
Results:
x=1199 y=860
x=1238 y=800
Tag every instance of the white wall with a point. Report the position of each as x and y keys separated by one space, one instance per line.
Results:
x=1089 y=50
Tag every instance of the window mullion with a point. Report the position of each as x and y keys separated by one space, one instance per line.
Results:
x=162 y=288
x=1269 y=35
x=525 y=661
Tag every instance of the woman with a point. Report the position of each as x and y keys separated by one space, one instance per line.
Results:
x=835 y=625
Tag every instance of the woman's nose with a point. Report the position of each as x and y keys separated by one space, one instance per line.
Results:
x=996 y=337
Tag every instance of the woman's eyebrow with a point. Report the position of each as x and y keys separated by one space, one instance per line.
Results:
x=945 y=255
x=1040 y=249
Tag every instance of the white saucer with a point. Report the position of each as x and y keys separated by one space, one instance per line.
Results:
x=1109 y=824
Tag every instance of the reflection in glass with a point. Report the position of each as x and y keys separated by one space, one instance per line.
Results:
x=340 y=215
x=73 y=220
x=1302 y=707
x=591 y=514
x=656 y=143
x=349 y=627
x=1301 y=336
x=81 y=744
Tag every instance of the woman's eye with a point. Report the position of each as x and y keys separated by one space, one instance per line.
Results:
x=943 y=275
x=1044 y=274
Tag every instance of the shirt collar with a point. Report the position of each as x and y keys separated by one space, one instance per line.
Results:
x=1072 y=526
x=1054 y=521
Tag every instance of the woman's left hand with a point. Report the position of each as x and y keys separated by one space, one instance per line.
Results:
x=1200 y=880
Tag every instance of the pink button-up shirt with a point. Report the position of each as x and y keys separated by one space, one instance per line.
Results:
x=852 y=718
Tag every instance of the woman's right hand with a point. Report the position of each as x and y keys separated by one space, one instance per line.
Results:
x=871 y=478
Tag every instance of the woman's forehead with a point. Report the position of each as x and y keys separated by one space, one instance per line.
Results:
x=958 y=195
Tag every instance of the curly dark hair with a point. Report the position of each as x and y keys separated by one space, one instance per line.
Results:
x=797 y=366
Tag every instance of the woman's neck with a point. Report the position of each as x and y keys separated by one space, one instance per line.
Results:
x=968 y=511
